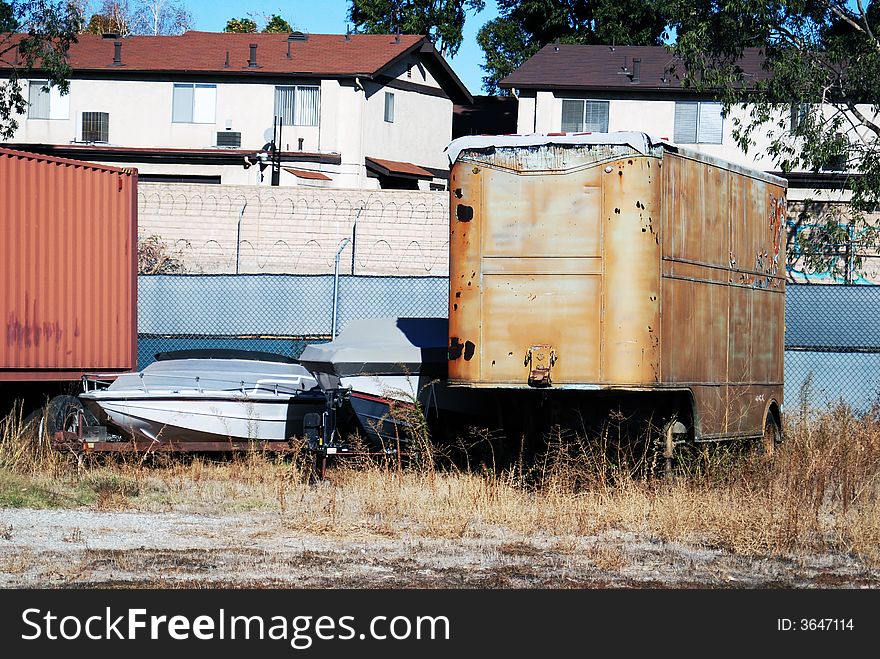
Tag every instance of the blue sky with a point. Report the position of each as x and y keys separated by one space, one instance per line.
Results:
x=329 y=17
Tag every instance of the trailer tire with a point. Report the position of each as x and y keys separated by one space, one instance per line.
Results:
x=772 y=435
x=62 y=413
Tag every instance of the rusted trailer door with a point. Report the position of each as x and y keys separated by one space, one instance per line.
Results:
x=541 y=271
x=555 y=267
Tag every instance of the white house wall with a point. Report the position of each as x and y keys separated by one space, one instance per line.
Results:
x=421 y=129
x=140 y=116
x=420 y=75
x=541 y=112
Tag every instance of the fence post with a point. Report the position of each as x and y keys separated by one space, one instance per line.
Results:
x=238 y=237
x=345 y=242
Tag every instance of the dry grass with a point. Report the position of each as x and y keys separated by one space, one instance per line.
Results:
x=820 y=492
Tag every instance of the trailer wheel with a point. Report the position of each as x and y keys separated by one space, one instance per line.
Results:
x=772 y=435
x=65 y=413
x=673 y=435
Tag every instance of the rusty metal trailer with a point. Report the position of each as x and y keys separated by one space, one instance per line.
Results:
x=620 y=264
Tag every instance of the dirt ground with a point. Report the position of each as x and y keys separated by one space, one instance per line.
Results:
x=88 y=548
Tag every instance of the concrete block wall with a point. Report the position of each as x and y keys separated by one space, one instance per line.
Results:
x=297 y=231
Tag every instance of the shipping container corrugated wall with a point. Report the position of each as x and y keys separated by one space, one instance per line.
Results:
x=68 y=242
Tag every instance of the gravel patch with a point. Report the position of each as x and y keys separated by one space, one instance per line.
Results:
x=87 y=548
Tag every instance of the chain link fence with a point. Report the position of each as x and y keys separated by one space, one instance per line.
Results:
x=832 y=339
x=832 y=345
x=271 y=313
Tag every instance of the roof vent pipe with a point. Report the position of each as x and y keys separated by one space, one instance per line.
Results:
x=117 y=53
x=637 y=70
x=226 y=63
x=252 y=62
x=288 y=49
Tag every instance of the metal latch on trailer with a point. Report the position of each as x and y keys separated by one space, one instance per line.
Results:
x=539 y=360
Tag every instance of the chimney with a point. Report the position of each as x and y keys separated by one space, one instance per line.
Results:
x=252 y=62
x=117 y=53
x=637 y=70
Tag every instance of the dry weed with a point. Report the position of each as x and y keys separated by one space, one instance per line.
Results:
x=820 y=492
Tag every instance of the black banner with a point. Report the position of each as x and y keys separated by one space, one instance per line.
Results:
x=429 y=623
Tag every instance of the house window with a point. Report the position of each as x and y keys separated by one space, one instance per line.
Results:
x=299 y=105
x=95 y=127
x=46 y=102
x=798 y=112
x=584 y=116
x=698 y=122
x=389 y=107
x=194 y=104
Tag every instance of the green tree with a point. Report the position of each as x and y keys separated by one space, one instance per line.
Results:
x=523 y=27
x=816 y=100
x=35 y=36
x=242 y=25
x=276 y=25
x=442 y=21
x=7 y=21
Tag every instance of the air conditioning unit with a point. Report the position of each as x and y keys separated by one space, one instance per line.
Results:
x=229 y=139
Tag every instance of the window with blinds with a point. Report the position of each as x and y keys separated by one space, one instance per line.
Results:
x=194 y=104
x=698 y=122
x=298 y=105
x=46 y=102
x=95 y=127
x=581 y=116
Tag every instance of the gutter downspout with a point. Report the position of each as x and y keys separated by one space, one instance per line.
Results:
x=362 y=165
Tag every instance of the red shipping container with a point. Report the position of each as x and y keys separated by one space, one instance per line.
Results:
x=68 y=267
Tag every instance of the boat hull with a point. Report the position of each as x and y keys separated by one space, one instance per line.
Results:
x=177 y=418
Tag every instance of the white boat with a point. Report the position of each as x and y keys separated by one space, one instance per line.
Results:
x=390 y=364
x=192 y=396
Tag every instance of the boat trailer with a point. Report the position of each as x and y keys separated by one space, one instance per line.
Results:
x=322 y=439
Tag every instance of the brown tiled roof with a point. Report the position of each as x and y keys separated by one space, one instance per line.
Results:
x=203 y=52
x=304 y=173
x=565 y=66
x=396 y=168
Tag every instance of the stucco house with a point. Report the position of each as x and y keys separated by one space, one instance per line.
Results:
x=599 y=88
x=355 y=111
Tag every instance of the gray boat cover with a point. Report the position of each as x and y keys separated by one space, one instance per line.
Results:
x=383 y=346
